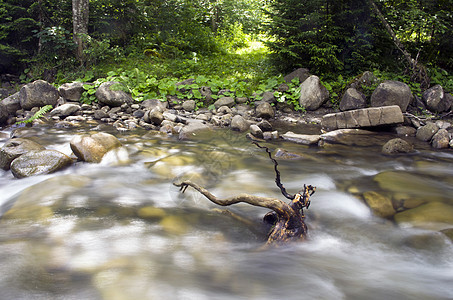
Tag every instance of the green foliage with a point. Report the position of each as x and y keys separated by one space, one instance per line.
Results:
x=39 y=114
x=336 y=87
x=442 y=77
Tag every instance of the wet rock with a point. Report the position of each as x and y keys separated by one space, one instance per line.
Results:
x=431 y=241
x=71 y=91
x=435 y=99
x=397 y=145
x=448 y=232
x=380 y=205
x=256 y=131
x=65 y=110
x=392 y=92
x=265 y=125
x=366 y=117
x=284 y=154
x=352 y=99
x=12 y=104
x=151 y=213
x=238 y=123
x=302 y=74
x=109 y=93
x=312 y=93
x=224 y=101
x=93 y=148
x=174 y=225
x=188 y=105
x=349 y=137
x=426 y=133
x=265 y=111
x=38 y=162
x=432 y=215
x=304 y=139
x=15 y=148
x=154 y=117
x=441 y=139
x=38 y=94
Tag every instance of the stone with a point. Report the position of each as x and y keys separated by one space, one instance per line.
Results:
x=256 y=131
x=100 y=114
x=206 y=92
x=265 y=111
x=380 y=205
x=435 y=100
x=312 y=93
x=3 y=114
x=432 y=215
x=12 y=104
x=351 y=137
x=91 y=148
x=426 y=133
x=38 y=162
x=108 y=93
x=395 y=146
x=267 y=97
x=265 y=125
x=65 y=110
x=37 y=94
x=303 y=139
x=352 y=99
x=223 y=110
x=238 y=123
x=441 y=139
x=188 y=105
x=192 y=129
x=302 y=74
x=154 y=117
x=392 y=92
x=153 y=103
x=71 y=91
x=224 y=101
x=405 y=130
x=367 y=79
x=365 y=117
x=14 y=148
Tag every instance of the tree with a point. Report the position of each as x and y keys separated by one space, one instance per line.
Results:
x=80 y=17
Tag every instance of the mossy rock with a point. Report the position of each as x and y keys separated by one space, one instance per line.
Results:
x=380 y=204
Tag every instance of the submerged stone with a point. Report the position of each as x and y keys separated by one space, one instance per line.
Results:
x=432 y=215
x=380 y=205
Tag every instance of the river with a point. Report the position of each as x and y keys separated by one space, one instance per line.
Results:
x=121 y=230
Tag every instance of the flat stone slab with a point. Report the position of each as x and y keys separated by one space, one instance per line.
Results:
x=365 y=117
x=304 y=139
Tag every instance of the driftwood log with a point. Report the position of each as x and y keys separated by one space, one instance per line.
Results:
x=288 y=219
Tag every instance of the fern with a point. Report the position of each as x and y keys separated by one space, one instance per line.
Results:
x=39 y=114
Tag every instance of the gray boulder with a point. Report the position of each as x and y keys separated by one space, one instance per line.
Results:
x=441 y=139
x=12 y=104
x=71 y=91
x=38 y=94
x=312 y=93
x=397 y=145
x=435 y=99
x=302 y=74
x=352 y=99
x=188 y=105
x=224 y=101
x=426 y=133
x=65 y=110
x=238 y=123
x=153 y=103
x=14 y=148
x=39 y=162
x=265 y=111
x=109 y=93
x=192 y=129
x=91 y=148
x=392 y=92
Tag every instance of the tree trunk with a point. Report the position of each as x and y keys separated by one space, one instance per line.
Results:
x=80 y=14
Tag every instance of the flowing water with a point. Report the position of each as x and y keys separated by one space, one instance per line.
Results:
x=121 y=230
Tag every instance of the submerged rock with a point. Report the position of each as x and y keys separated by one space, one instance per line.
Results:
x=39 y=162
x=433 y=215
x=397 y=145
x=380 y=205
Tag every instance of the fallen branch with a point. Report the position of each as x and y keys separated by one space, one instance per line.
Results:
x=288 y=219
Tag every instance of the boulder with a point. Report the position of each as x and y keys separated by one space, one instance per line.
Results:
x=37 y=94
x=192 y=128
x=224 y=101
x=153 y=103
x=302 y=74
x=109 y=93
x=435 y=100
x=304 y=139
x=188 y=105
x=352 y=99
x=441 y=139
x=39 y=162
x=238 y=123
x=435 y=215
x=392 y=92
x=265 y=111
x=397 y=145
x=91 y=148
x=12 y=104
x=365 y=117
x=380 y=205
x=71 y=91
x=312 y=93
x=425 y=133
x=65 y=110
x=256 y=131
x=14 y=148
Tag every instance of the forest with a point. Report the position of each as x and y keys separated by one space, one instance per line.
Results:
x=245 y=45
